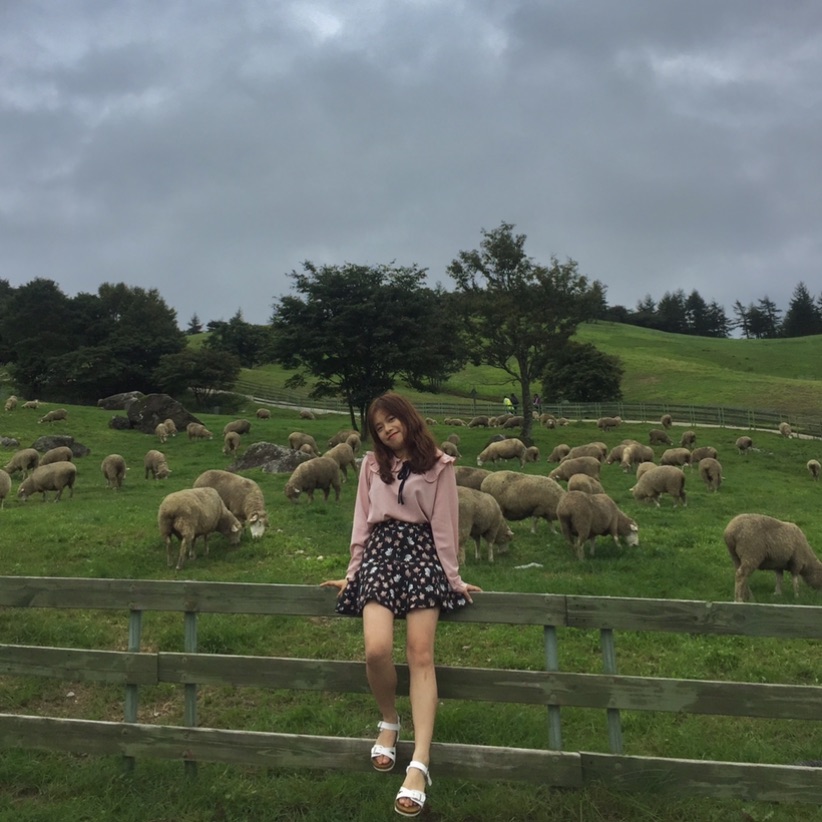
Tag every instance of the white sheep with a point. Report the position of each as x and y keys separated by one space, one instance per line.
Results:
x=32 y=404
x=480 y=421
x=470 y=477
x=785 y=429
x=61 y=453
x=583 y=517
x=710 y=471
x=340 y=436
x=480 y=517
x=607 y=423
x=321 y=472
x=508 y=449
x=54 y=416
x=666 y=421
x=25 y=460
x=171 y=427
x=241 y=495
x=343 y=454
x=657 y=436
x=559 y=452
x=757 y=542
x=661 y=479
x=54 y=477
x=703 y=451
x=263 y=414
x=676 y=456
x=354 y=440
x=297 y=439
x=155 y=464
x=191 y=514
x=161 y=432
x=524 y=495
x=453 y=421
x=547 y=420
x=635 y=453
x=448 y=447
x=114 y=471
x=197 y=431
x=643 y=468
x=231 y=442
x=455 y=438
x=512 y=421
x=599 y=450
x=582 y=482
x=688 y=439
x=744 y=444
x=237 y=426
x=11 y=403
x=578 y=465
x=305 y=414
x=814 y=468
x=5 y=487
x=615 y=454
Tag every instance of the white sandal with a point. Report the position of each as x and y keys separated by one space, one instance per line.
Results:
x=382 y=750
x=417 y=797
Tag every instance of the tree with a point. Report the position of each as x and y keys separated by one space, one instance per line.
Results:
x=771 y=318
x=518 y=313
x=202 y=371
x=803 y=317
x=580 y=372
x=671 y=313
x=356 y=329
x=251 y=344
x=194 y=325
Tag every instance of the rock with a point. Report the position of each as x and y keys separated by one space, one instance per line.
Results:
x=120 y=423
x=9 y=442
x=46 y=443
x=117 y=402
x=273 y=459
x=145 y=413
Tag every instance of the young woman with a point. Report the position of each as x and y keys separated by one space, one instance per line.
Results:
x=403 y=566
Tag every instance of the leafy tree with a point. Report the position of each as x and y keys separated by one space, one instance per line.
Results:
x=742 y=321
x=671 y=313
x=518 y=313
x=202 y=371
x=803 y=316
x=580 y=372
x=645 y=315
x=716 y=321
x=357 y=329
x=194 y=325
x=251 y=344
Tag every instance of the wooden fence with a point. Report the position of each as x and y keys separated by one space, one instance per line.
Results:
x=551 y=688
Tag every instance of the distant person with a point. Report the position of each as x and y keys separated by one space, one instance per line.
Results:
x=508 y=405
x=514 y=402
x=537 y=403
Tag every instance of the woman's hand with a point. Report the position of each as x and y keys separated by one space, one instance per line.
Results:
x=468 y=590
x=339 y=584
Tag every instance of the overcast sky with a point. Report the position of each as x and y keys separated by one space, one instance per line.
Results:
x=206 y=149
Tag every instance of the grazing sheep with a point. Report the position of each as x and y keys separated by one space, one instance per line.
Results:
x=231 y=442
x=161 y=432
x=171 y=427
x=54 y=416
x=615 y=454
x=635 y=453
x=523 y=495
x=579 y=465
x=448 y=447
x=480 y=517
x=760 y=543
x=305 y=414
x=343 y=454
x=11 y=403
x=305 y=448
x=598 y=450
x=744 y=444
x=480 y=421
x=676 y=456
x=547 y=420
x=814 y=469
x=453 y=421
x=470 y=477
x=54 y=477
x=430 y=421
x=197 y=431
x=785 y=429
x=515 y=421
x=114 y=471
x=661 y=479
x=584 y=517
x=155 y=464
x=508 y=449
x=238 y=426
x=32 y=404
x=5 y=487
x=559 y=452
x=354 y=441
x=666 y=421
x=25 y=460
x=322 y=473
x=643 y=468
x=340 y=436
x=688 y=439
x=607 y=423
x=242 y=496
x=710 y=471
x=296 y=439
x=659 y=437
x=563 y=421
x=62 y=453
x=703 y=451
x=586 y=484
x=194 y=513
x=263 y=414
x=455 y=438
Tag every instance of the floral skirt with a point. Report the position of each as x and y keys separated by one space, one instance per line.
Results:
x=400 y=570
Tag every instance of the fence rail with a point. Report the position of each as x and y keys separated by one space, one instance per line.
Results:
x=551 y=688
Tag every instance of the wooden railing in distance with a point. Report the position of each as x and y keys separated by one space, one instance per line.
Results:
x=552 y=688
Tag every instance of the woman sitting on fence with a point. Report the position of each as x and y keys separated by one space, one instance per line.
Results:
x=403 y=566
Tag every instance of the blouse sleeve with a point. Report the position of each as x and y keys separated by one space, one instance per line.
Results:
x=360 y=529
x=445 y=526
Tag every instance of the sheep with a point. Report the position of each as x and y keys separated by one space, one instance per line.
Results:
x=703 y=451
x=305 y=448
x=354 y=441
x=171 y=427
x=448 y=447
x=455 y=438
x=340 y=436
x=563 y=421
x=659 y=437
x=161 y=432
x=470 y=477
x=11 y=403
x=515 y=421
x=579 y=465
x=305 y=414
x=583 y=517
x=480 y=421
x=480 y=517
x=643 y=468
x=453 y=421
x=508 y=449
x=231 y=442
x=241 y=495
x=676 y=456
x=710 y=471
x=296 y=439
x=155 y=464
x=559 y=452
x=661 y=479
x=238 y=426
x=25 y=460
x=343 y=454
x=5 y=487
x=114 y=471
x=547 y=420
x=785 y=429
x=607 y=423
x=582 y=482
x=744 y=444
x=54 y=416
x=322 y=473
x=62 y=453
x=197 y=431
x=688 y=439
x=814 y=468
x=757 y=542
x=524 y=495
x=194 y=513
x=615 y=454
x=54 y=477
x=32 y=404
x=263 y=414
x=635 y=453
x=666 y=421
x=431 y=421
x=599 y=450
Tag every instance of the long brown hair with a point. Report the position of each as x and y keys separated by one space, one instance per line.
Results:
x=421 y=446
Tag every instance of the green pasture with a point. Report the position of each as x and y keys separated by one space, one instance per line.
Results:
x=102 y=533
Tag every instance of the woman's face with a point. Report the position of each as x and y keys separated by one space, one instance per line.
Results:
x=391 y=432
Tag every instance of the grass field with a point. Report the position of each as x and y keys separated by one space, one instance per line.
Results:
x=101 y=533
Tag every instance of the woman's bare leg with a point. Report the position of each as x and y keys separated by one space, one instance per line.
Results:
x=378 y=633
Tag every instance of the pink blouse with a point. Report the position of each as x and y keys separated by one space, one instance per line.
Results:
x=429 y=497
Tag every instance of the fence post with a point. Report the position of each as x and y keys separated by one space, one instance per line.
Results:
x=190 y=707
x=135 y=625
x=552 y=664
x=610 y=667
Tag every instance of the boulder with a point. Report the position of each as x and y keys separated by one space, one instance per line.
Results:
x=117 y=402
x=46 y=443
x=145 y=413
x=9 y=442
x=271 y=458
x=119 y=423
